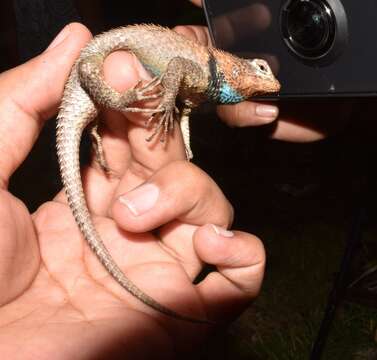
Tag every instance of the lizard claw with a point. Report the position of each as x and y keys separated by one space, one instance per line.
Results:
x=160 y=109
x=145 y=92
x=138 y=85
x=140 y=92
x=165 y=122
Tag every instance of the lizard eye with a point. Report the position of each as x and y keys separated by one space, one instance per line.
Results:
x=261 y=66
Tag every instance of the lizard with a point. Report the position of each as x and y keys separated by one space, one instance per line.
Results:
x=181 y=69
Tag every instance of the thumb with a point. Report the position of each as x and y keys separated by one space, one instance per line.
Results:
x=30 y=94
x=239 y=258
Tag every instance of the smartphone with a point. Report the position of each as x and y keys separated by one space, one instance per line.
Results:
x=316 y=48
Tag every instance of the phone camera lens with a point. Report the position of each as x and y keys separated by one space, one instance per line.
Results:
x=308 y=27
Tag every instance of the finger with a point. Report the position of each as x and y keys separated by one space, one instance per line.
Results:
x=312 y=120
x=299 y=122
x=124 y=140
x=240 y=24
x=240 y=261
x=197 y=2
x=248 y=113
x=294 y=130
x=30 y=94
x=121 y=71
x=196 y=33
x=19 y=250
x=179 y=191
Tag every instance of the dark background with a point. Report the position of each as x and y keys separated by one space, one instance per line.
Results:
x=299 y=198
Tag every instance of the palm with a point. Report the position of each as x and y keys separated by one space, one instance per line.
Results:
x=71 y=287
x=71 y=293
x=56 y=300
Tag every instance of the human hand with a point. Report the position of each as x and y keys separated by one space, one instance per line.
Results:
x=56 y=300
x=302 y=121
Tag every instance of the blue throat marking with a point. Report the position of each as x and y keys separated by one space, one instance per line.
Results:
x=153 y=71
x=227 y=95
x=219 y=90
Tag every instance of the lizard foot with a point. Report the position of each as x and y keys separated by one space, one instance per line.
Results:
x=100 y=153
x=165 y=122
x=147 y=91
x=141 y=92
x=98 y=149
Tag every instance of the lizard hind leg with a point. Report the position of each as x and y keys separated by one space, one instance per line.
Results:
x=182 y=76
x=185 y=129
x=98 y=149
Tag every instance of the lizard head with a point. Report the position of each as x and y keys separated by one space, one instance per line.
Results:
x=235 y=79
x=257 y=78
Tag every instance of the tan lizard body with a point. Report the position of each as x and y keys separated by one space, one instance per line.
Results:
x=183 y=69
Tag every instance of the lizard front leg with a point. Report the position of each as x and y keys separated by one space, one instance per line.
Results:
x=182 y=76
x=91 y=78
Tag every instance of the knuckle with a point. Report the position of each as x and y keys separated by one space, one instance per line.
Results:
x=179 y=29
x=224 y=212
x=229 y=114
x=204 y=194
x=259 y=252
x=186 y=31
x=230 y=214
x=189 y=173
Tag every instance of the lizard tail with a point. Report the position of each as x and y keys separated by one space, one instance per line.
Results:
x=73 y=117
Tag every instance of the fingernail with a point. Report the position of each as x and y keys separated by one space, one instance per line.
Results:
x=268 y=112
x=60 y=37
x=222 y=232
x=141 y=199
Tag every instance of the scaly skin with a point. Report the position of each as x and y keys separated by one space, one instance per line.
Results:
x=182 y=68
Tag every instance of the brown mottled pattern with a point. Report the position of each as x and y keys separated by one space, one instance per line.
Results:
x=183 y=65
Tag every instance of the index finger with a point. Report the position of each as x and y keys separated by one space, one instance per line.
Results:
x=197 y=2
x=122 y=71
x=29 y=95
x=246 y=113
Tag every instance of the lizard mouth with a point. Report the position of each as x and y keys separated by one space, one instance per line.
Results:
x=275 y=87
x=272 y=89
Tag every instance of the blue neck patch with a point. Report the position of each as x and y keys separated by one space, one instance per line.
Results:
x=227 y=95
x=219 y=91
x=153 y=71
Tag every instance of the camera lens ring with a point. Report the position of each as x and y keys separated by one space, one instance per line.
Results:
x=310 y=27
x=314 y=30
